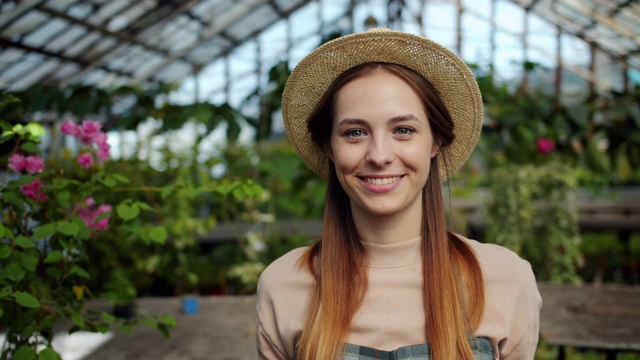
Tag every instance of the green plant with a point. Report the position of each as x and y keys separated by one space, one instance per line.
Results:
x=48 y=218
x=532 y=212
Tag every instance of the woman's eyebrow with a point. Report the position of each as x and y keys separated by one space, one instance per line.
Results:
x=351 y=121
x=395 y=119
x=405 y=117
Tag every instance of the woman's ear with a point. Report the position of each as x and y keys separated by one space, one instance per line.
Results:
x=435 y=148
x=328 y=151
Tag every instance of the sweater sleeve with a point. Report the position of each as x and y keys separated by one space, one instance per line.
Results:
x=282 y=297
x=512 y=303
x=525 y=325
x=268 y=339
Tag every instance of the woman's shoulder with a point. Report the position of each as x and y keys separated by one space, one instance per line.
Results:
x=287 y=271
x=498 y=255
x=501 y=266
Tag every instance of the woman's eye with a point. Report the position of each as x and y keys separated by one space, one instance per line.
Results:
x=404 y=131
x=355 y=133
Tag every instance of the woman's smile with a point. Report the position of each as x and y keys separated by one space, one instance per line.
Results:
x=380 y=184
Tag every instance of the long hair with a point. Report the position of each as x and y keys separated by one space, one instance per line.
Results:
x=452 y=277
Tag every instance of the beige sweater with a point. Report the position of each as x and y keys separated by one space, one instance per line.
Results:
x=392 y=313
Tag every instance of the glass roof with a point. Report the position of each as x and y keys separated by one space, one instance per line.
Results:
x=111 y=42
x=114 y=42
x=612 y=25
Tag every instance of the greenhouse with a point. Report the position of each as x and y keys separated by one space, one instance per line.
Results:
x=148 y=177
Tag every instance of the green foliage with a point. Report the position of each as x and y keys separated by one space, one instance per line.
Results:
x=532 y=212
x=48 y=220
x=545 y=351
x=599 y=133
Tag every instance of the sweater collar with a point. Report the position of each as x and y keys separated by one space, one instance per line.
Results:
x=394 y=255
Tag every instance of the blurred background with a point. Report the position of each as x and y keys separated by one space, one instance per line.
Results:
x=204 y=191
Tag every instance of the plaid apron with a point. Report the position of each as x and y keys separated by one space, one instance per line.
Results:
x=481 y=347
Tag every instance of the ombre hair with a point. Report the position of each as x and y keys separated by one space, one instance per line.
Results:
x=452 y=278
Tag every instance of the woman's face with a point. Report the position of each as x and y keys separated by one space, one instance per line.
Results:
x=381 y=144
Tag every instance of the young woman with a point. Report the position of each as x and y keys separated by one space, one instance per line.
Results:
x=385 y=116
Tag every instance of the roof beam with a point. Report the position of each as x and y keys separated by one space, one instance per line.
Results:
x=50 y=54
x=10 y=17
x=601 y=19
x=284 y=15
x=99 y=60
x=213 y=32
x=118 y=35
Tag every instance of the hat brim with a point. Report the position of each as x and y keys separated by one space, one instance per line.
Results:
x=448 y=74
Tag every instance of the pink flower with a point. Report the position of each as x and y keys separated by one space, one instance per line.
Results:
x=100 y=138
x=69 y=127
x=34 y=190
x=17 y=162
x=89 y=130
x=89 y=215
x=103 y=151
x=34 y=164
x=545 y=145
x=85 y=160
x=102 y=224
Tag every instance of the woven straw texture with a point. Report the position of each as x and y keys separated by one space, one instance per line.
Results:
x=449 y=75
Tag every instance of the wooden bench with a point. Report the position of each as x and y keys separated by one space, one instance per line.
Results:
x=604 y=318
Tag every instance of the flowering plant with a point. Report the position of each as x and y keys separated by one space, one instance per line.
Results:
x=47 y=219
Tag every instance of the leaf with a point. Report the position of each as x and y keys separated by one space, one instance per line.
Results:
x=24 y=242
x=30 y=147
x=24 y=352
x=75 y=269
x=27 y=300
x=166 y=191
x=102 y=328
x=49 y=354
x=25 y=179
x=2 y=231
x=78 y=291
x=34 y=129
x=108 y=318
x=53 y=257
x=144 y=206
x=164 y=330
x=121 y=178
x=193 y=192
x=158 y=235
x=78 y=319
x=126 y=329
x=5 y=251
x=60 y=183
x=14 y=200
x=30 y=261
x=109 y=182
x=1 y=312
x=54 y=273
x=82 y=228
x=44 y=231
x=168 y=320
x=15 y=272
x=238 y=193
x=67 y=228
x=63 y=198
x=127 y=212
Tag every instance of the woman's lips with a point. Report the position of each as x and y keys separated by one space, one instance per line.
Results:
x=380 y=184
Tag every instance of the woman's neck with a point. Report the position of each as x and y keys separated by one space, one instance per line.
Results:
x=388 y=229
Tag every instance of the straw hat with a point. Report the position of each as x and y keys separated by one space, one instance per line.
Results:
x=448 y=74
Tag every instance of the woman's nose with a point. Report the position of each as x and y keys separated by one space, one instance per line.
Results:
x=379 y=152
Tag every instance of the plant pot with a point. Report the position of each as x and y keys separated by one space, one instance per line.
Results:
x=190 y=304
